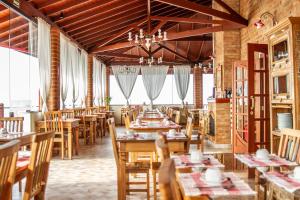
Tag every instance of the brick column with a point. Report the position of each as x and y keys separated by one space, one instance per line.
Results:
x=54 y=96
x=1 y=110
x=198 y=88
x=90 y=95
x=107 y=86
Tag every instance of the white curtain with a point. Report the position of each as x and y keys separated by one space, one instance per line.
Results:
x=97 y=80
x=83 y=77
x=182 y=80
x=154 y=79
x=74 y=54
x=65 y=68
x=126 y=77
x=44 y=56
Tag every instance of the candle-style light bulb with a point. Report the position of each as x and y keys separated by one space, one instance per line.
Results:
x=153 y=39
x=141 y=33
x=136 y=39
x=159 y=34
x=129 y=36
x=165 y=35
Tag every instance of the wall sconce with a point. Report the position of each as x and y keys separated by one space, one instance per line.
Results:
x=259 y=24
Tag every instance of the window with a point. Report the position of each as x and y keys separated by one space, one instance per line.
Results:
x=168 y=93
x=208 y=86
x=19 y=82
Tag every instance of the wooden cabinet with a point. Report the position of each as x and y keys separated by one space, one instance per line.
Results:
x=284 y=50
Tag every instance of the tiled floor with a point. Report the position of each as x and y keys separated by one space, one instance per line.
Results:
x=91 y=175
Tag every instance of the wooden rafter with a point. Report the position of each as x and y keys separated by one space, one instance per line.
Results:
x=206 y=10
x=122 y=32
x=174 y=52
x=47 y=4
x=159 y=26
x=112 y=47
x=120 y=55
x=228 y=8
x=188 y=20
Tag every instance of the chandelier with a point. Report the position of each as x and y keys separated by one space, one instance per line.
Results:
x=147 y=40
x=205 y=68
x=150 y=61
x=128 y=70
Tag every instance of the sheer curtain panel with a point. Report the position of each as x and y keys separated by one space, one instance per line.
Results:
x=182 y=79
x=65 y=68
x=74 y=54
x=103 y=84
x=83 y=77
x=153 y=79
x=97 y=81
x=126 y=77
x=44 y=56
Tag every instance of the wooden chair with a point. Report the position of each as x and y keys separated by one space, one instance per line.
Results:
x=162 y=148
x=8 y=160
x=177 y=116
x=168 y=186
x=53 y=123
x=289 y=148
x=79 y=113
x=12 y=124
x=131 y=167
x=126 y=120
x=189 y=132
x=68 y=113
x=36 y=179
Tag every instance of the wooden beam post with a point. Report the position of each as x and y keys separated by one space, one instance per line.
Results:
x=90 y=97
x=198 y=88
x=107 y=82
x=54 y=95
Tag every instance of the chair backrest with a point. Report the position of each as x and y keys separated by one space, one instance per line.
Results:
x=126 y=120
x=168 y=186
x=113 y=136
x=53 y=121
x=8 y=160
x=12 y=124
x=78 y=112
x=189 y=130
x=177 y=117
x=289 y=146
x=135 y=113
x=162 y=147
x=68 y=113
x=41 y=152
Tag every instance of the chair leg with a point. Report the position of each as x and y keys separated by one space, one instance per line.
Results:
x=62 y=148
x=154 y=184
x=148 y=186
x=20 y=186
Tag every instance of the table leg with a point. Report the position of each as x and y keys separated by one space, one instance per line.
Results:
x=70 y=143
x=91 y=132
x=76 y=140
x=122 y=185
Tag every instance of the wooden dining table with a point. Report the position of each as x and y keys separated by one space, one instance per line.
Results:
x=25 y=138
x=91 y=120
x=151 y=117
x=142 y=142
x=72 y=127
x=153 y=126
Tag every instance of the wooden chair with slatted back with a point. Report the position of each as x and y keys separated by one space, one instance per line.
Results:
x=12 y=124
x=131 y=167
x=135 y=113
x=38 y=169
x=168 y=186
x=177 y=117
x=126 y=120
x=84 y=130
x=53 y=123
x=68 y=113
x=8 y=160
x=189 y=132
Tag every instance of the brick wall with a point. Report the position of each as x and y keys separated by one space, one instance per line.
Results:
x=89 y=102
x=54 y=96
x=107 y=86
x=198 y=88
x=252 y=10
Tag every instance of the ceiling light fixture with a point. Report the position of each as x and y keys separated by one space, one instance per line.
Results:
x=259 y=23
x=147 y=40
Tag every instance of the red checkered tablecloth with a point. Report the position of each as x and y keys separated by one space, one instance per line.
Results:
x=194 y=185
x=152 y=125
x=274 y=161
x=283 y=180
x=208 y=161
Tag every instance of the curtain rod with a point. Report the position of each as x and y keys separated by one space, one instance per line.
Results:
x=18 y=11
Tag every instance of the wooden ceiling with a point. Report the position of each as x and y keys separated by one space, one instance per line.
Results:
x=101 y=26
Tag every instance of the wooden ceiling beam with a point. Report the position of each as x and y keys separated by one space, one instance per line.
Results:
x=188 y=20
x=55 y=11
x=206 y=10
x=47 y=4
x=119 y=55
x=175 y=53
x=87 y=30
x=159 y=26
x=120 y=33
x=112 y=47
x=88 y=11
x=228 y=8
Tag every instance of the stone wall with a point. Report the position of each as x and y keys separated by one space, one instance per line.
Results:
x=252 y=10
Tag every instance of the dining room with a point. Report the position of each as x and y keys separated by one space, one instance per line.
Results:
x=150 y=99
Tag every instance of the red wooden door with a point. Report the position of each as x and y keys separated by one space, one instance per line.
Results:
x=251 y=115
